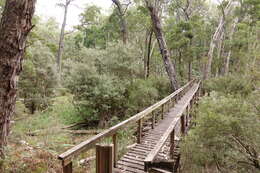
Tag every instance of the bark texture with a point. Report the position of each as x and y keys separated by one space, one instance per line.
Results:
x=122 y=20
x=215 y=39
x=14 y=28
x=163 y=46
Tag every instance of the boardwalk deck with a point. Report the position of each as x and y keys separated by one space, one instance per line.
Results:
x=133 y=160
x=157 y=139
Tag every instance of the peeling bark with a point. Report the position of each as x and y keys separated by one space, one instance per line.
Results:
x=14 y=28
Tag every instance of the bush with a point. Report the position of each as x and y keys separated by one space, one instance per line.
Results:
x=226 y=128
x=232 y=84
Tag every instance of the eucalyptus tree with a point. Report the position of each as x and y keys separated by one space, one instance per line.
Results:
x=15 y=26
x=123 y=23
x=64 y=5
x=227 y=7
x=157 y=26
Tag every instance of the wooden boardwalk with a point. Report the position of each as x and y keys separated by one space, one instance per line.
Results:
x=157 y=148
x=133 y=160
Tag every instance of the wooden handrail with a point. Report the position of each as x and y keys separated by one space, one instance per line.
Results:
x=67 y=156
x=151 y=156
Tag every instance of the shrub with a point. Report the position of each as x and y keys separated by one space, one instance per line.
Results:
x=226 y=128
x=232 y=84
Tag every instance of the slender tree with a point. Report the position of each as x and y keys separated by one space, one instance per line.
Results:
x=14 y=28
x=226 y=65
x=216 y=37
x=62 y=34
x=162 y=45
x=121 y=14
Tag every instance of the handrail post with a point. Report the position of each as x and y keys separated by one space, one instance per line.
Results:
x=182 y=124
x=172 y=144
x=67 y=168
x=153 y=120
x=140 y=129
x=187 y=116
x=162 y=112
x=115 y=148
x=104 y=158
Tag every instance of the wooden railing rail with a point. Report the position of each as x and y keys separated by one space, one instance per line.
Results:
x=70 y=154
x=170 y=132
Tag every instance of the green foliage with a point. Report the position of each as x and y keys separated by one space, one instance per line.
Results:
x=38 y=79
x=99 y=96
x=143 y=93
x=230 y=85
x=222 y=122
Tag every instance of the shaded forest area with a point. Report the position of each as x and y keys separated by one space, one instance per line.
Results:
x=115 y=64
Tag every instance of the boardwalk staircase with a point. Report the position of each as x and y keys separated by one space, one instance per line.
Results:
x=159 y=131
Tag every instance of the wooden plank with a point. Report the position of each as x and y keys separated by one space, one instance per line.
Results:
x=67 y=168
x=162 y=113
x=183 y=124
x=139 y=131
x=131 y=165
x=149 y=159
x=132 y=170
x=172 y=144
x=104 y=158
x=75 y=151
x=153 y=120
x=132 y=160
x=115 y=148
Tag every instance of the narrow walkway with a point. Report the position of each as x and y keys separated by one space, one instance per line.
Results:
x=133 y=160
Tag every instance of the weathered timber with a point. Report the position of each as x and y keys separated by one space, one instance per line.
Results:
x=104 y=158
x=151 y=157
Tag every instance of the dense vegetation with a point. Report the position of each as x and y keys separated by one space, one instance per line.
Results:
x=105 y=78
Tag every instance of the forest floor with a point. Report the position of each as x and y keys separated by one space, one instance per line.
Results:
x=36 y=141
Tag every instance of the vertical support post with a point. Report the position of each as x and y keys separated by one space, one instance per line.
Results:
x=153 y=120
x=182 y=124
x=162 y=111
x=172 y=143
x=104 y=158
x=67 y=168
x=140 y=129
x=187 y=116
x=115 y=148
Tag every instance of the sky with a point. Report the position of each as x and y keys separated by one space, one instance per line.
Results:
x=48 y=8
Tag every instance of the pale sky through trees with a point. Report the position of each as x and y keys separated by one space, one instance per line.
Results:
x=48 y=8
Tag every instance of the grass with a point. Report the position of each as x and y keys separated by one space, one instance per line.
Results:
x=36 y=140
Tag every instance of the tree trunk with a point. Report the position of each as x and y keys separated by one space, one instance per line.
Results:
x=214 y=40
x=14 y=28
x=122 y=20
x=148 y=54
x=61 y=42
x=163 y=46
x=220 y=51
x=227 y=60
